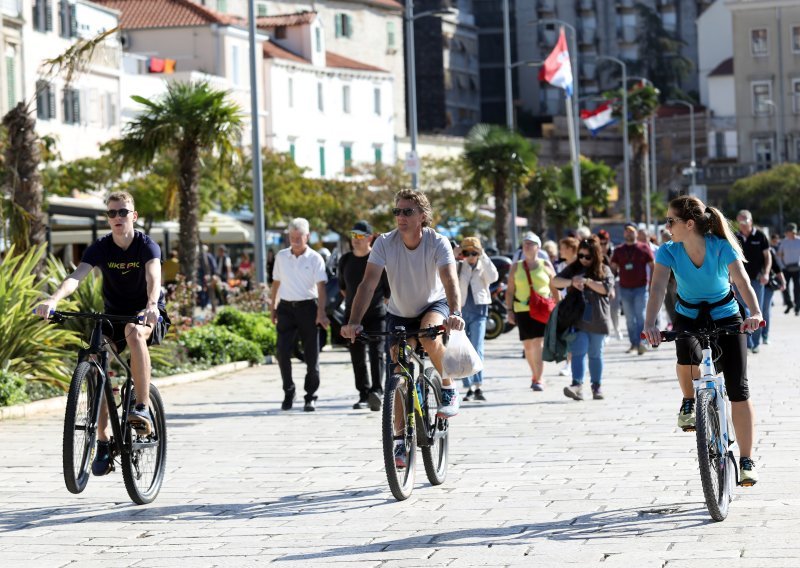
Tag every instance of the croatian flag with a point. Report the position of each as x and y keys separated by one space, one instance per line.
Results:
x=597 y=119
x=557 y=69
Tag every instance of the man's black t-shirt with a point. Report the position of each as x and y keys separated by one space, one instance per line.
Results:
x=124 y=281
x=753 y=247
x=351 y=273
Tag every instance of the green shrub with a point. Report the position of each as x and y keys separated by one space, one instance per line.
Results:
x=12 y=388
x=217 y=345
x=255 y=326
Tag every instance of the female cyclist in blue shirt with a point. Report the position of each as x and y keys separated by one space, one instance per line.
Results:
x=705 y=257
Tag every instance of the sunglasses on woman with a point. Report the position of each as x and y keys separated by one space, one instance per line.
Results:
x=471 y=253
x=584 y=256
x=669 y=221
x=111 y=213
x=406 y=211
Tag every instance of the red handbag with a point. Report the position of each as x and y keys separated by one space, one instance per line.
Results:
x=539 y=307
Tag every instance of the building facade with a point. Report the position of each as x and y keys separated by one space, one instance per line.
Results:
x=11 y=71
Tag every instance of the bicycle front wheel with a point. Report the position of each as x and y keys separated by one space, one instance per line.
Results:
x=434 y=456
x=714 y=463
x=399 y=438
x=80 y=426
x=145 y=457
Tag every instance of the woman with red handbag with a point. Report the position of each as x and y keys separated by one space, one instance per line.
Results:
x=530 y=298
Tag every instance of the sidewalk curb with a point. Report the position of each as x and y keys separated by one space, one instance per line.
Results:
x=57 y=403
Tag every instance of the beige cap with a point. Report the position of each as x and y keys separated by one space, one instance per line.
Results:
x=472 y=243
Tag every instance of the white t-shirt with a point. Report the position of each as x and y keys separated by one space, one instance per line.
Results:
x=413 y=274
x=298 y=275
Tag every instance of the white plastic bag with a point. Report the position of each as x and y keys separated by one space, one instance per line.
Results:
x=460 y=358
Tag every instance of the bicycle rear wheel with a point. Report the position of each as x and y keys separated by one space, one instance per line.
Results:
x=434 y=456
x=79 y=426
x=714 y=464
x=396 y=411
x=145 y=457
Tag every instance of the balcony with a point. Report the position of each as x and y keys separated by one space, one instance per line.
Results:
x=588 y=36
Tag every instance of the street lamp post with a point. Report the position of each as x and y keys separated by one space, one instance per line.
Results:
x=691 y=133
x=411 y=80
x=258 y=188
x=625 y=143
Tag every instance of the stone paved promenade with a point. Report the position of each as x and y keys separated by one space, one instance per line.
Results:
x=535 y=479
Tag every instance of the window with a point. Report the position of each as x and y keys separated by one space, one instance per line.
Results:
x=235 y=69
x=346 y=99
x=391 y=38
x=762 y=150
x=261 y=9
x=69 y=24
x=45 y=100
x=796 y=95
x=292 y=148
x=43 y=16
x=344 y=25
x=291 y=92
x=110 y=111
x=11 y=75
x=318 y=39
x=280 y=32
x=322 y=160
x=376 y=101
x=762 y=97
x=719 y=142
x=72 y=106
x=348 y=159
x=378 y=154
x=796 y=39
x=320 y=101
x=758 y=42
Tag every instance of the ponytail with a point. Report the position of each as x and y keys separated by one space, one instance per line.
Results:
x=719 y=226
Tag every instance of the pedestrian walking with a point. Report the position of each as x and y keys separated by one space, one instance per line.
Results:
x=789 y=255
x=568 y=251
x=589 y=276
x=530 y=274
x=632 y=260
x=775 y=283
x=298 y=307
x=352 y=266
x=475 y=273
x=615 y=302
x=206 y=269
x=755 y=247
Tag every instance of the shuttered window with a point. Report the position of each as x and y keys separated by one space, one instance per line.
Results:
x=45 y=100
x=72 y=106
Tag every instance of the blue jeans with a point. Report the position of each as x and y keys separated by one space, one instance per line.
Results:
x=765 y=309
x=475 y=319
x=753 y=339
x=634 y=301
x=591 y=344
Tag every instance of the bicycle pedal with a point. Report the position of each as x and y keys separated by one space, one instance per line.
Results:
x=746 y=483
x=689 y=429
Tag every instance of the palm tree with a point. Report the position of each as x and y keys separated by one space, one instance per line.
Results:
x=189 y=119
x=498 y=159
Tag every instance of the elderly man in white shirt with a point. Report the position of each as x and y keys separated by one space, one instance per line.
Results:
x=298 y=307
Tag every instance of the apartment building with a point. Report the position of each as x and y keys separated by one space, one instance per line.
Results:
x=328 y=111
x=88 y=109
x=766 y=46
x=11 y=71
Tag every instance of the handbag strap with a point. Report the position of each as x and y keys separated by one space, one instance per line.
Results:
x=528 y=274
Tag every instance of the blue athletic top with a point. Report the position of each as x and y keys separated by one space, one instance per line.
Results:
x=709 y=283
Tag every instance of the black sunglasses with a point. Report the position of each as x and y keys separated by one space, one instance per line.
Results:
x=111 y=213
x=585 y=256
x=669 y=221
x=471 y=253
x=406 y=212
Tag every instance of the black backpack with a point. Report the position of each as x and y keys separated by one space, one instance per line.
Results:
x=570 y=310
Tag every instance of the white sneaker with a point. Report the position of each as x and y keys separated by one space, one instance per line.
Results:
x=451 y=402
x=563 y=372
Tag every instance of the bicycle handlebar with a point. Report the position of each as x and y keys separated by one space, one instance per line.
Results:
x=59 y=317
x=429 y=332
x=667 y=336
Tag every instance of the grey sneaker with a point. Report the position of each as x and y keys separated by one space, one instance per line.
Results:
x=748 y=476
x=597 y=393
x=450 y=402
x=575 y=392
x=686 y=416
x=479 y=395
x=140 y=420
x=375 y=401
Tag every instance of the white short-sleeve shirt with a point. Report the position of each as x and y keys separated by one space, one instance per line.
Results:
x=298 y=275
x=413 y=274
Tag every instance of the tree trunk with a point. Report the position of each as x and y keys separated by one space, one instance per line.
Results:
x=501 y=215
x=23 y=183
x=189 y=215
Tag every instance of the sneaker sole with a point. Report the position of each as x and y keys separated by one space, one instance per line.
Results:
x=569 y=394
x=688 y=428
x=747 y=483
x=142 y=427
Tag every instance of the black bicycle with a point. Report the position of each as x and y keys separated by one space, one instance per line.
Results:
x=143 y=457
x=409 y=420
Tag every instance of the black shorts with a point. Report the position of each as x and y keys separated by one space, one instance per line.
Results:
x=528 y=327
x=732 y=361
x=115 y=331
x=412 y=324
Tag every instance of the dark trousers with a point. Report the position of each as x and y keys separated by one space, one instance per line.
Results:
x=298 y=319
x=792 y=278
x=358 y=356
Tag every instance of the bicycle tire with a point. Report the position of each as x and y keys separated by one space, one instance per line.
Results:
x=714 y=472
x=79 y=435
x=401 y=481
x=434 y=456
x=145 y=457
x=495 y=325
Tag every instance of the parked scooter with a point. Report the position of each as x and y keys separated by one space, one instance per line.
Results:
x=497 y=321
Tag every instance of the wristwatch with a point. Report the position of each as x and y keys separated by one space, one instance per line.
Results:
x=456 y=313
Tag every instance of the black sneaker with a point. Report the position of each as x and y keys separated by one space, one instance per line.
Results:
x=102 y=459
x=479 y=395
x=470 y=395
x=375 y=401
x=310 y=405
x=288 y=400
x=361 y=404
x=140 y=420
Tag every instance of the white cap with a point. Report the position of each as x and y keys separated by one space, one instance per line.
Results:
x=533 y=237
